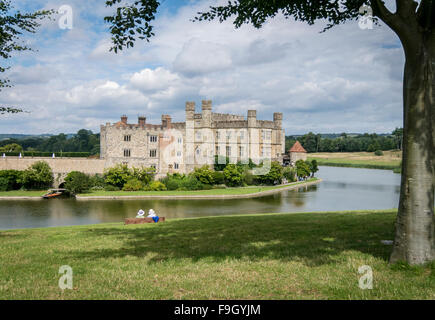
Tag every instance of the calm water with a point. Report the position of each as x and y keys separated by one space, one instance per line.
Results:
x=341 y=189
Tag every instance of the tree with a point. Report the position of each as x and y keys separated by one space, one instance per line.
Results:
x=414 y=23
x=302 y=169
x=204 y=175
x=12 y=25
x=313 y=166
x=37 y=176
x=233 y=175
x=398 y=135
x=77 y=182
x=274 y=175
x=13 y=147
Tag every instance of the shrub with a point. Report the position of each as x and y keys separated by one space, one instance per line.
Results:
x=97 y=182
x=204 y=175
x=133 y=184
x=274 y=175
x=220 y=162
x=379 y=153
x=118 y=175
x=233 y=176
x=218 y=177
x=248 y=178
x=4 y=184
x=13 y=177
x=191 y=183
x=77 y=182
x=219 y=186
x=289 y=173
x=145 y=175
x=172 y=181
x=37 y=176
x=156 y=186
x=109 y=187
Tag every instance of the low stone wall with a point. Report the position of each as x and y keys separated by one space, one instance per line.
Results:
x=60 y=166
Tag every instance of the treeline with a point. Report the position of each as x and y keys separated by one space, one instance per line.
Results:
x=348 y=143
x=84 y=141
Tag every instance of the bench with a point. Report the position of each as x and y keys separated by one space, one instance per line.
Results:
x=142 y=220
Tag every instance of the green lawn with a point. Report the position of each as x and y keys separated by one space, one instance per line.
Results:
x=370 y=164
x=227 y=191
x=270 y=256
x=22 y=193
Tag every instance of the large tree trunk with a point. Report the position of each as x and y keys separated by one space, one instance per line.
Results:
x=415 y=226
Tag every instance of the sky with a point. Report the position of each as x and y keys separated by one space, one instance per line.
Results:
x=347 y=79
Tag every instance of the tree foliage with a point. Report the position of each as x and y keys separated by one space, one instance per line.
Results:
x=77 y=182
x=37 y=176
x=13 y=24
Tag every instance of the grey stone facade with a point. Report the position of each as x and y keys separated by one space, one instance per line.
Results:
x=182 y=146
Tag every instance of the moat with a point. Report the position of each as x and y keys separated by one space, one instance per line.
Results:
x=341 y=189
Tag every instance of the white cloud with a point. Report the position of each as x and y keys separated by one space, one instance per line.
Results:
x=346 y=79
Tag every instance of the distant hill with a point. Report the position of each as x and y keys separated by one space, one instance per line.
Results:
x=18 y=136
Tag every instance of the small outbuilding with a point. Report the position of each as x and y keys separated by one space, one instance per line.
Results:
x=297 y=152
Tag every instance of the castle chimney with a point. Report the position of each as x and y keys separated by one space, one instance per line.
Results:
x=124 y=119
x=166 y=121
x=252 y=118
x=141 y=121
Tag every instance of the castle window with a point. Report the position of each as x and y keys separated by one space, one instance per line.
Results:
x=218 y=150
x=242 y=135
x=153 y=153
x=178 y=153
x=180 y=140
x=228 y=135
x=218 y=135
x=176 y=165
x=228 y=150
x=241 y=152
x=198 y=151
x=127 y=137
x=198 y=135
x=126 y=152
x=153 y=138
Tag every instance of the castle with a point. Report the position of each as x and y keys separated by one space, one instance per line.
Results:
x=179 y=147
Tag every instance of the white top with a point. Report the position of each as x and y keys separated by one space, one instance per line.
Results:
x=140 y=213
x=151 y=214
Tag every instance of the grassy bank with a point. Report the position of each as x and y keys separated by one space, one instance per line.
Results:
x=22 y=193
x=212 y=192
x=270 y=256
x=390 y=160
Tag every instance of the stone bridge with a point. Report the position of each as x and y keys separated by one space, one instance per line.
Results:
x=60 y=166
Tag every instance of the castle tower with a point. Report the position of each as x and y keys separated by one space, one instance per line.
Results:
x=252 y=118
x=277 y=119
x=190 y=110
x=189 y=140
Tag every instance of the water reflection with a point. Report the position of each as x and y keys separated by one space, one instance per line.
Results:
x=342 y=189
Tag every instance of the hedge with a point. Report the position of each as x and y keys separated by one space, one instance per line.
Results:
x=48 y=154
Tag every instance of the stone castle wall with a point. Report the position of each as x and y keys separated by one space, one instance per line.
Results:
x=60 y=166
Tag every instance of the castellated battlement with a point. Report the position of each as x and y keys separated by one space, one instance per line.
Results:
x=175 y=147
x=226 y=117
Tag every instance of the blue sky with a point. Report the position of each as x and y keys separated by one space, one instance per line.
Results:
x=347 y=79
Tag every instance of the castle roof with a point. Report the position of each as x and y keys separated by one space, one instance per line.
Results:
x=297 y=147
